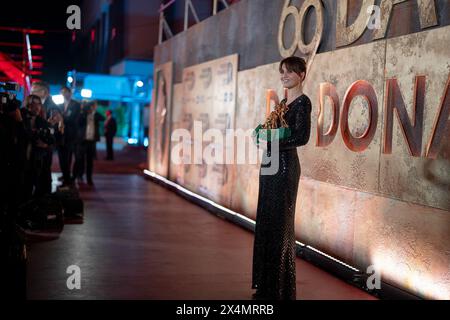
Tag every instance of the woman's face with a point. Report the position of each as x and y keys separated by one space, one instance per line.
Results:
x=290 y=79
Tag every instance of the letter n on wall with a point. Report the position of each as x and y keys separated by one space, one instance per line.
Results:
x=412 y=130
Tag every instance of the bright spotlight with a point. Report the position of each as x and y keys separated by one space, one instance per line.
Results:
x=139 y=84
x=132 y=141
x=58 y=99
x=86 y=93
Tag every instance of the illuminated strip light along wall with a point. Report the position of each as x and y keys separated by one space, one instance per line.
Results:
x=238 y=215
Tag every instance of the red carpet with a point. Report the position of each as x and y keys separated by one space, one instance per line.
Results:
x=141 y=241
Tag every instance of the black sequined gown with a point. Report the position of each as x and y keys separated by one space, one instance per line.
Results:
x=274 y=245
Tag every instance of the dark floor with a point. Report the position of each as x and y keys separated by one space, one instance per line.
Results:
x=140 y=241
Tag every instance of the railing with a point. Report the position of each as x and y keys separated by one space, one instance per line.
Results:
x=22 y=67
x=164 y=28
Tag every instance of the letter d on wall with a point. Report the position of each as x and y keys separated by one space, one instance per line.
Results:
x=348 y=34
x=327 y=90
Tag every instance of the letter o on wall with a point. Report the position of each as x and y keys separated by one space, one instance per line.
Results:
x=364 y=89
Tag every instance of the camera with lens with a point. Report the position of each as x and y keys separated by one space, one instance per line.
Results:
x=45 y=135
x=8 y=101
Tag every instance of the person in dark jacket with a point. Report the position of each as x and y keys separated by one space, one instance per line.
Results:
x=49 y=108
x=89 y=134
x=40 y=138
x=110 y=132
x=12 y=157
x=70 y=110
x=12 y=162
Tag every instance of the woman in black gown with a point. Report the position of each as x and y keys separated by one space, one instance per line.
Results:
x=274 y=245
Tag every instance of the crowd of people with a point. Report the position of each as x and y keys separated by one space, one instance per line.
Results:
x=30 y=133
x=76 y=130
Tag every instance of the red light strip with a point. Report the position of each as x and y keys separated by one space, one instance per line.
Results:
x=30 y=31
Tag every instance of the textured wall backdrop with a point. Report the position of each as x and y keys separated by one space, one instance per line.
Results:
x=371 y=206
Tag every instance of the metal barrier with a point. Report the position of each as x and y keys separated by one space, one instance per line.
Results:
x=20 y=67
x=164 y=28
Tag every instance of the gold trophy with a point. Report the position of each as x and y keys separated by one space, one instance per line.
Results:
x=275 y=125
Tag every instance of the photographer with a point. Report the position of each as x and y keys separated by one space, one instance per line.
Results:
x=42 y=90
x=89 y=134
x=70 y=110
x=12 y=150
x=12 y=159
x=40 y=138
